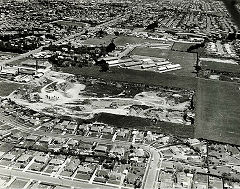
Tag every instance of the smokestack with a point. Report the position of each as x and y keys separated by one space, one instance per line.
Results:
x=36 y=65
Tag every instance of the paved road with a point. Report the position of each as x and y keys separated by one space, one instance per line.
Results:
x=152 y=168
x=152 y=172
x=150 y=177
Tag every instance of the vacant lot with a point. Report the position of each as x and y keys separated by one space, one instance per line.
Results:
x=218 y=111
x=7 y=88
x=185 y=59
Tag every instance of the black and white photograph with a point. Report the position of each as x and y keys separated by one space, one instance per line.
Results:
x=119 y=94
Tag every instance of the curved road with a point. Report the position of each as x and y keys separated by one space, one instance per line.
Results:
x=151 y=170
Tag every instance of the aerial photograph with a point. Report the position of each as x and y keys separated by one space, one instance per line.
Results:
x=125 y=94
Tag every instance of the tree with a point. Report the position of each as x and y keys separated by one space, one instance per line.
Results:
x=186 y=171
x=101 y=33
x=103 y=64
x=116 y=33
x=111 y=47
x=104 y=67
x=152 y=26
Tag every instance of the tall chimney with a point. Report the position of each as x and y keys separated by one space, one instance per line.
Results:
x=36 y=65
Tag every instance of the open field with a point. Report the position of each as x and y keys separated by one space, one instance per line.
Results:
x=135 y=76
x=123 y=40
x=186 y=60
x=182 y=46
x=218 y=110
x=222 y=67
x=7 y=88
x=217 y=105
x=99 y=41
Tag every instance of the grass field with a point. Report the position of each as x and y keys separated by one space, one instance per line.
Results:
x=217 y=103
x=218 y=111
x=181 y=46
x=7 y=88
x=185 y=59
x=135 y=76
x=222 y=67
x=99 y=41
x=122 y=40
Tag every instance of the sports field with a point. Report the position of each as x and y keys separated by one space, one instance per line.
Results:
x=218 y=110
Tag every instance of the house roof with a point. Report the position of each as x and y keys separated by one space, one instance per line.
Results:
x=139 y=152
x=41 y=159
x=65 y=123
x=95 y=128
x=131 y=178
x=61 y=127
x=90 y=159
x=83 y=127
x=103 y=172
x=107 y=130
x=72 y=142
x=121 y=134
x=36 y=166
x=32 y=137
x=56 y=162
x=101 y=148
x=24 y=158
x=59 y=140
x=84 y=169
x=118 y=151
x=45 y=139
x=71 y=127
x=9 y=156
x=115 y=176
x=17 y=135
x=4 y=132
